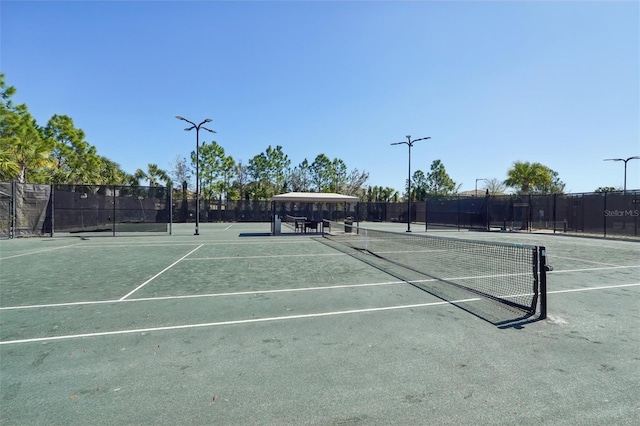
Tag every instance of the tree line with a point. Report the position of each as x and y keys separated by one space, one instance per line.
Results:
x=58 y=153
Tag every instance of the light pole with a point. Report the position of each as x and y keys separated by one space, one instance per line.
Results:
x=625 y=168
x=409 y=143
x=197 y=127
x=486 y=180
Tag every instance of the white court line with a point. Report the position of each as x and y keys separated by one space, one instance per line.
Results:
x=158 y=274
x=221 y=323
x=268 y=256
x=136 y=245
x=573 y=290
x=172 y=244
x=228 y=227
x=38 y=251
x=294 y=241
x=562 y=271
x=191 y=296
x=291 y=317
x=197 y=296
x=581 y=260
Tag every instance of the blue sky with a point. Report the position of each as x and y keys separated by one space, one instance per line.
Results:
x=555 y=82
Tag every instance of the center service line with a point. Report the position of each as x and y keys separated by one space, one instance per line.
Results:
x=158 y=274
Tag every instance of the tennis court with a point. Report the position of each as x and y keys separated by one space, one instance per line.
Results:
x=237 y=327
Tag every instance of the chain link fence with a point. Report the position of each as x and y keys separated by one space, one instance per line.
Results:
x=598 y=214
x=35 y=210
x=46 y=210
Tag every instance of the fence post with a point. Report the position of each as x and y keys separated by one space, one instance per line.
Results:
x=554 y=216
x=604 y=216
x=113 y=219
x=530 y=210
x=170 y=210
x=511 y=211
x=634 y=200
x=426 y=213
x=52 y=207
x=14 y=208
x=458 y=205
x=488 y=209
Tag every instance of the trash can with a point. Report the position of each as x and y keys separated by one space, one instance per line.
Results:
x=348 y=224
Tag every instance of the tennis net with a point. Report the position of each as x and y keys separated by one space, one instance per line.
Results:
x=513 y=274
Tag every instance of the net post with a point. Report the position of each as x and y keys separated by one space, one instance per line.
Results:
x=543 y=281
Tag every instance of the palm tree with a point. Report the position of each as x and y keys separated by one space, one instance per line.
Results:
x=388 y=194
x=9 y=167
x=111 y=173
x=526 y=176
x=154 y=175
x=31 y=152
x=24 y=152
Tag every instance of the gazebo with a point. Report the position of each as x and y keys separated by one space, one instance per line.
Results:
x=300 y=208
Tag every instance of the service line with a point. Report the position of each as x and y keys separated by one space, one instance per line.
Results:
x=279 y=318
x=38 y=251
x=158 y=274
x=221 y=323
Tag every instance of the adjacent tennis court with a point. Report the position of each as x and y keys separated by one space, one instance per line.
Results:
x=236 y=326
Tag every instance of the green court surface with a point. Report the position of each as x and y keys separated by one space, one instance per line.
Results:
x=238 y=327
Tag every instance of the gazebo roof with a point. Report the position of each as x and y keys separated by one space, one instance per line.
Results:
x=314 y=197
